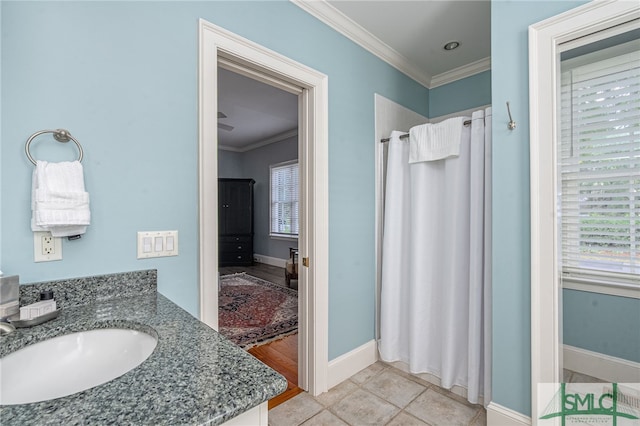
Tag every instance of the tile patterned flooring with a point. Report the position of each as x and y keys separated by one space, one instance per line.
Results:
x=379 y=395
x=569 y=376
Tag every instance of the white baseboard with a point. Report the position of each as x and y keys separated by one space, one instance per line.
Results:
x=497 y=415
x=604 y=367
x=268 y=260
x=345 y=366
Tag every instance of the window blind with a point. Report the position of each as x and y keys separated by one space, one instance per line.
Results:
x=284 y=199
x=599 y=168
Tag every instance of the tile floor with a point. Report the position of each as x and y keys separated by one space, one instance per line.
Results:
x=569 y=376
x=379 y=395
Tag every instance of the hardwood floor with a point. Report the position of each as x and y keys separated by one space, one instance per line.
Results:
x=281 y=355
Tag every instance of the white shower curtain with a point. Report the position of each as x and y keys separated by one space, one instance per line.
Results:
x=435 y=302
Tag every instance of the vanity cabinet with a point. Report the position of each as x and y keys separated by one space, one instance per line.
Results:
x=257 y=416
x=235 y=221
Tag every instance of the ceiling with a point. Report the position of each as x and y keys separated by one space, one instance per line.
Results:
x=409 y=35
x=418 y=31
x=258 y=113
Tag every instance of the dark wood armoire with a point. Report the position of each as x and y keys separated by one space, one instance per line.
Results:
x=235 y=221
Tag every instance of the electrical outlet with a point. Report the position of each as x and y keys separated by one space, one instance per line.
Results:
x=46 y=247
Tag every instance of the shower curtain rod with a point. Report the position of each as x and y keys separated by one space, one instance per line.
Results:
x=406 y=135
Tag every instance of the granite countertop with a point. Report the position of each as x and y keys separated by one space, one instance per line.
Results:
x=194 y=375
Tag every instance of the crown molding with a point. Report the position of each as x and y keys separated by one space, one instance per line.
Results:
x=461 y=72
x=229 y=148
x=337 y=20
x=273 y=139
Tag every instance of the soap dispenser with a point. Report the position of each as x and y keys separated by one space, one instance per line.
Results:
x=47 y=304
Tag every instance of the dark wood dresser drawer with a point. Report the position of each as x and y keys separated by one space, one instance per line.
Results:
x=229 y=259
x=235 y=250
x=234 y=247
x=235 y=239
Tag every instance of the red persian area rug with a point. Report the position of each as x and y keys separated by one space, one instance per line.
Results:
x=253 y=311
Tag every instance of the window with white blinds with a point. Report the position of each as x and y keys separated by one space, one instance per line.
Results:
x=599 y=166
x=284 y=199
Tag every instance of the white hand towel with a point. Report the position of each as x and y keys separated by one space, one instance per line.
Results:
x=59 y=201
x=430 y=142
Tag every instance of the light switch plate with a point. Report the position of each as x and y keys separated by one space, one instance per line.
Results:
x=154 y=244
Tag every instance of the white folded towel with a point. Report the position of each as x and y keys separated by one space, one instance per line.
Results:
x=59 y=202
x=430 y=142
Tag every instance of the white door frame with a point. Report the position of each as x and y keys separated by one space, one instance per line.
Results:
x=544 y=40
x=214 y=43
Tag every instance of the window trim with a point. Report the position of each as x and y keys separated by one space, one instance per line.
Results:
x=601 y=286
x=281 y=235
x=544 y=39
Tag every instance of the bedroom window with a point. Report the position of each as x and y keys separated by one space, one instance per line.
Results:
x=599 y=170
x=284 y=199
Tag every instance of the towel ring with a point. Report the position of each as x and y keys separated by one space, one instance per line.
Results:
x=61 y=135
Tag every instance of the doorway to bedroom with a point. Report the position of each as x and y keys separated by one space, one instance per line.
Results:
x=258 y=221
x=218 y=46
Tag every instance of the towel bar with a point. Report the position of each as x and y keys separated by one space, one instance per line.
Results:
x=61 y=135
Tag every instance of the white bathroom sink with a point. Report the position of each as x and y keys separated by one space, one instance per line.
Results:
x=72 y=363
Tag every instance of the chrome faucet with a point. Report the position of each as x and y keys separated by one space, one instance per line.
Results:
x=6 y=327
x=9 y=302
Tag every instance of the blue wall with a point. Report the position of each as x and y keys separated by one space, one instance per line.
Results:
x=460 y=95
x=602 y=323
x=230 y=164
x=122 y=77
x=511 y=222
